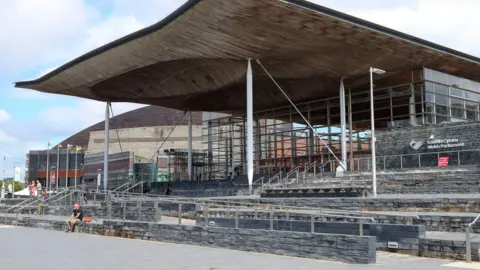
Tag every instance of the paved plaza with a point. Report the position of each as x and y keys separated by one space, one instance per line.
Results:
x=37 y=249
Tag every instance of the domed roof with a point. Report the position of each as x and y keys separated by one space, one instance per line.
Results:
x=144 y=117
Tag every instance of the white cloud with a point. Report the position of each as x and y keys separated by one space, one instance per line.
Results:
x=4 y=116
x=41 y=32
x=67 y=120
x=452 y=24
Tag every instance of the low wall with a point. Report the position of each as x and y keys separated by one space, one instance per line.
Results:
x=344 y=248
x=406 y=236
x=130 y=211
x=425 y=204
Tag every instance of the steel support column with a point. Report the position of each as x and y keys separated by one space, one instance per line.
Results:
x=106 y=146
x=258 y=146
x=411 y=107
x=350 y=128
x=311 y=142
x=343 y=125
x=190 y=172
x=250 y=125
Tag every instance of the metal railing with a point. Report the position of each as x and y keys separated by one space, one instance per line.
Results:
x=307 y=168
x=271 y=213
x=468 y=244
x=412 y=161
x=277 y=177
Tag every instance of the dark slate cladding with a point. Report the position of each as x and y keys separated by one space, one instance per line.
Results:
x=144 y=117
x=443 y=138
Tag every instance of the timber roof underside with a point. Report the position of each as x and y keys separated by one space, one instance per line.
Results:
x=196 y=58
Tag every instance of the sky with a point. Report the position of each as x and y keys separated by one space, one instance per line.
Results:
x=38 y=36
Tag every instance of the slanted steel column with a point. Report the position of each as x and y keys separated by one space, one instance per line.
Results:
x=343 y=125
x=311 y=142
x=106 y=146
x=190 y=172
x=258 y=145
x=250 y=125
x=209 y=149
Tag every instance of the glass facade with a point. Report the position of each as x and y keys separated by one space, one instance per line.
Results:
x=449 y=98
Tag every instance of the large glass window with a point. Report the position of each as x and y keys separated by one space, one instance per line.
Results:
x=450 y=98
x=457 y=108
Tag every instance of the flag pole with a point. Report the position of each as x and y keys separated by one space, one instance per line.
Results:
x=76 y=159
x=66 y=171
x=47 y=178
x=58 y=165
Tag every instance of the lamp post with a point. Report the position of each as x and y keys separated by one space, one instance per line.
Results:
x=372 y=124
x=99 y=178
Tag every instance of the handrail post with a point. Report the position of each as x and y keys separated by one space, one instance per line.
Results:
x=360 y=222
x=236 y=219
x=271 y=220
x=139 y=209
x=179 y=214
x=156 y=211
x=124 y=214
x=467 y=245
x=205 y=214
x=312 y=224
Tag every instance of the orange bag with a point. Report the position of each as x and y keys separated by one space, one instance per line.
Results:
x=87 y=219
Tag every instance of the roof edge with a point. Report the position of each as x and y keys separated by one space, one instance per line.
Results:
x=301 y=3
x=130 y=37
x=382 y=29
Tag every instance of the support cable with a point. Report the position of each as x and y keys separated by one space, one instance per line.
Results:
x=303 y=117
x=164 y=140
x=168 y=136
x=116 y=130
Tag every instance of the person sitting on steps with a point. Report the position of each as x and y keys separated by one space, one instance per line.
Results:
x=76 y=217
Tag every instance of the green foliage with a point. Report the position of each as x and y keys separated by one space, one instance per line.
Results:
x=16 y=187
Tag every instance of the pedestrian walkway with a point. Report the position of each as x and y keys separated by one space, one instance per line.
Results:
x=100 y=252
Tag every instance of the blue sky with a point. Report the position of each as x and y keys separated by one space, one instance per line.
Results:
x=39 y=36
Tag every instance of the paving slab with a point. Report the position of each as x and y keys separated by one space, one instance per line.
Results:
x=37 y=249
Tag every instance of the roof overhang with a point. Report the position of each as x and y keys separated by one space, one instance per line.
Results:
x=195 y=58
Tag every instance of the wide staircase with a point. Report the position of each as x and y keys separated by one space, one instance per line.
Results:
x=301 y=182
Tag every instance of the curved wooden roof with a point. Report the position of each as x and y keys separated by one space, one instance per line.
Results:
x=148 y=116
x=195 y=59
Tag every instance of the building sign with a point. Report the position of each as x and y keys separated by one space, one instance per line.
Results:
x=16 y=176
x=432 y=144
x=444 y=143
x=443 y=161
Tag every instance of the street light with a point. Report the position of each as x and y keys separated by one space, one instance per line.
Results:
x=373 y=139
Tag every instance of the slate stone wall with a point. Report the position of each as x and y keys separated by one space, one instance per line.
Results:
x=425 y=204
x=446 y=138
x=343 y=248
x=407 y=236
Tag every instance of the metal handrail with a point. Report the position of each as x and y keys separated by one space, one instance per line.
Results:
x=125 y=184
x=223 y=203
x=21 y=203
x=276 y=176
x=414 y=155
x=259 y=180
x=256 y=210
x=468 y=245
x=67 y=194
x=291 y=172
x=473 y=222
x=141 y=182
